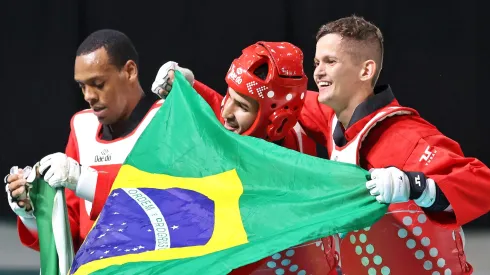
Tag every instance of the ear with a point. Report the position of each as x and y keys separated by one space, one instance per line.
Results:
x=131 y=71
x=368 y=70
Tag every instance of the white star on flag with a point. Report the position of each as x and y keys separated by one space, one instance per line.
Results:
x=175 y=227
x=149 y=230
x=123 y=223
x=115 y=247
x=141 y=247
x=107 y=251
x=92 y=252
x=127 y=250
x=116 y=213
x=134 y=249
x=120 y=230
x=115 y=194
x=102 y=235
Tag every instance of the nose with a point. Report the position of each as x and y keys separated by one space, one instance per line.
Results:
x=319 y=71
x=90 y=95
x=228 y=109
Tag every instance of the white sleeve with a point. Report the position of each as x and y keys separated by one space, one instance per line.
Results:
x=27 y=217
x=30 y=223
x=87 y=183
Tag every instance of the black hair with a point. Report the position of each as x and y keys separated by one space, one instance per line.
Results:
x=119 y=47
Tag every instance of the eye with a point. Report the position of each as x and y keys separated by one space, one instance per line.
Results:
x=242 y=106
x=100 y=86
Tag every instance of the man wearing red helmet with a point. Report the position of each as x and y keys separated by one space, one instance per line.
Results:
x=266 y=91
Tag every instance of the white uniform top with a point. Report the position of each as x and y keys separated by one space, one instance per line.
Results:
x=98 y=153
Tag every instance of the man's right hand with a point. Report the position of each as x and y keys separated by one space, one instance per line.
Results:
x=16 y=189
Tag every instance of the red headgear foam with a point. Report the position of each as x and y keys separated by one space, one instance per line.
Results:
x=280 y=95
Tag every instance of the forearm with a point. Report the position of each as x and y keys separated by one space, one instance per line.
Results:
x=212 y=97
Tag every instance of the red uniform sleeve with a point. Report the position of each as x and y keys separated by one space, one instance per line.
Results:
x=105 y=178
x=309 y=145
x=315 y=119
x=412 y=144
x=464 y=181
x=212 y=97
x=29 y=238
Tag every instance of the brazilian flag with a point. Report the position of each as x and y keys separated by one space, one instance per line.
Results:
x=194 y=198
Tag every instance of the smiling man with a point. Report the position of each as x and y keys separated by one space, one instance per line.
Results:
x=106 y=69
x=432 y=188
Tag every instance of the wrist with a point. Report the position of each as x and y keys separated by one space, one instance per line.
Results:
x=29 y=222
x=422 y=189
x=418 y=184
x=23 y=212
x=428 y=197
x=188 y=74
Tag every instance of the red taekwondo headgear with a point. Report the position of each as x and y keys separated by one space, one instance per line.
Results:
x=280 y=96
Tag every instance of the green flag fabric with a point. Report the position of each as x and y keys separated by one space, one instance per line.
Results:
x=55 y=242
x=194 y=198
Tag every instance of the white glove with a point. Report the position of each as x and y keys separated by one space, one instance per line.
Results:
x=163 y=81
x=19 y=211
x=59 y=170
x=389 y=185
x=27 y=217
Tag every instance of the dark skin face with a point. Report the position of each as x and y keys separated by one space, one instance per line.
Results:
x=112 y=93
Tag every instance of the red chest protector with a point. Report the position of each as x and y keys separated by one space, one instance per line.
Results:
x=404 y=241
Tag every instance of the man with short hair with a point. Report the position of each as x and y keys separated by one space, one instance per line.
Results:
x=432 y=188
x=106 y=69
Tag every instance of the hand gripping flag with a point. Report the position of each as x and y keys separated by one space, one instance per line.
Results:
x=194 y=198
x=55 y=241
